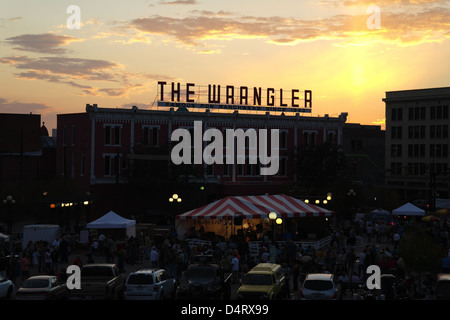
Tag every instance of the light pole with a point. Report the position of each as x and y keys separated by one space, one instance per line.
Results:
x=9 y=201
x=275 y=220
x=175 y=197
x=351 y=193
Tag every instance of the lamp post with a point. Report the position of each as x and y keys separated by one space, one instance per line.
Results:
x=9 y=201
x=275 y=220
x=175 y=197
x=351 y=193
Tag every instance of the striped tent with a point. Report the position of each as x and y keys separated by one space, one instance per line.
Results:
x=256 y=207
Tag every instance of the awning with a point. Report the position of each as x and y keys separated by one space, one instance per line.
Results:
x=256 y=207
x=111 y=220
x=408 y=209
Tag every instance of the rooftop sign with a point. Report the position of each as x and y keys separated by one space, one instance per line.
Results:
x=233 y=98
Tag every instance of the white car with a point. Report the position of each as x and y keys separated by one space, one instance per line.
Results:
x=150 y=284
x=6 y=288
x=319 y=286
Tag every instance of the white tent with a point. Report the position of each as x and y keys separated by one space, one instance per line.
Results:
x=408 y=209
x=112 y=220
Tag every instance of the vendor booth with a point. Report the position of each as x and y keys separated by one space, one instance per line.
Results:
x=244 y=214
x=408 y=209
x=112 y=220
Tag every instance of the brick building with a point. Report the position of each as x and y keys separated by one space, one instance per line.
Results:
x=122 y=156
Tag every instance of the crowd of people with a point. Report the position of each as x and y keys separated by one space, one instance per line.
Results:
x=348 y=254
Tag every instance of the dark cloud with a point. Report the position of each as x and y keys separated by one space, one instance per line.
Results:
x=23 y=107
x=87 y=69
x=41 y=43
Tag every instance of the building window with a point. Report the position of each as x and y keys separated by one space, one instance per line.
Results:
x=82 y=165
x=332 y=137
x=210 y=170
x=396 y=132
x=64 y=135
x=226 y=168
x=107 y=171
x=283 y=139
x=112 y=134
x=396 y=168
x=309 y=138
x=72 y=136
x=396 y=150
x=397 y=114
x=151 y=136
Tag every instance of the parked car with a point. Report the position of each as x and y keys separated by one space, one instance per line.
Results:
x=319 y=286
x=266 y=281
x=100 y=281
x=205 y=279
x=43 y=287
x=150 y=284
x=442 y=289
x=6 y=288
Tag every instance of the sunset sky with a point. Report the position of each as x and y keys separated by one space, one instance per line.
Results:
x=124 y=47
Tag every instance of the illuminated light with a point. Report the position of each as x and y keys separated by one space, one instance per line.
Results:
x=170 y=200
x=306 y=201
x=325 y=201
x=279 y=221
x=52 y=206
x=317 y=201
x=175 y=196
x=202 y=188
x=272 y=215
x=179 y=199
x=86 y=203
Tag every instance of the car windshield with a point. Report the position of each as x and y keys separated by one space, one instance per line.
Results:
x=35 y=283
x=318 y=285
x=140 y=279
x=258 y=279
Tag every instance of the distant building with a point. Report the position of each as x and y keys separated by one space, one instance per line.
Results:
x=124 y=154
x=364 y=148
x=27 y=153
x=417 y=143
x=27 y=161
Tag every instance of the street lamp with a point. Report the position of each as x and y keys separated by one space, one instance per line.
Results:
x=9 y=201
x=275 y=219
x=175 y=197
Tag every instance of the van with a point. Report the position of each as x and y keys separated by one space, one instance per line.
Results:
x=266 y=281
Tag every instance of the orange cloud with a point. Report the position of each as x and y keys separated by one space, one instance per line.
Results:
x=430 y=24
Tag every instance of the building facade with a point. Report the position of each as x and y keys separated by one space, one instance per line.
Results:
x=126 y=153
x=417 y=143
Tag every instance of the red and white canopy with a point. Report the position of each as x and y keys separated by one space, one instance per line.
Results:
x=256 y=207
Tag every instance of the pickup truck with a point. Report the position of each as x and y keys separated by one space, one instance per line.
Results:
x=205 y=279
x=100 y=280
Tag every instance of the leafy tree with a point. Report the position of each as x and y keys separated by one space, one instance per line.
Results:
x=418 y=250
